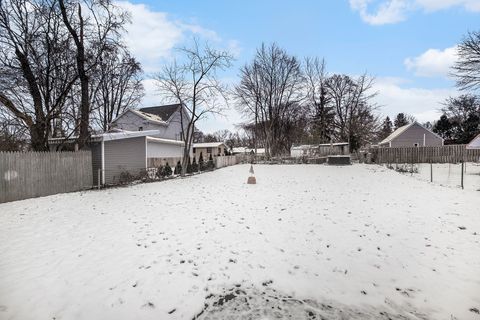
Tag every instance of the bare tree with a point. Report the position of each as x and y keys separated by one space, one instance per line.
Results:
x=194 y=84
x=269 y=92
x=467 y=67
x=35 y=70
x=318 y=101
x=93 y=33
x=116 y=85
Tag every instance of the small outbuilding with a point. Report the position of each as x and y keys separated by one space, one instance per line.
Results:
x=412 y=135
x=209 y=148
x=125 y=151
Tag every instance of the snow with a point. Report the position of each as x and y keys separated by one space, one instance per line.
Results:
x=307 y=241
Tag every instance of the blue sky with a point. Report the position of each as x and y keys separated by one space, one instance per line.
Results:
x=408 y=45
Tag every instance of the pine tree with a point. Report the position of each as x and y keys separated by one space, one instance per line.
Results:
x=386 y=128
x=178 y=168
x=194 y=165
x=201 y=163
x=401 y=120
x=167 y=170
x=210 y=164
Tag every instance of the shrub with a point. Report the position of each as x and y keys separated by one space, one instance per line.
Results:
x=194 y=165
x=210 y=164
x=167 y=171
x=160 y=171
x=201 y=163
x=178 y=168
x=126 y=177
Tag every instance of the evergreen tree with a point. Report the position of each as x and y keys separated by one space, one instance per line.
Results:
x=201 y=163
x=194 y=165
x=401 y=120
x=178 y=168
x=444 y=128
x=167 y=170
x=210 y=164
x=386 y=128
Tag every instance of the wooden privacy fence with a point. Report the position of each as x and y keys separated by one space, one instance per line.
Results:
x=26 y=175
x=226 y=161
x=443 y=154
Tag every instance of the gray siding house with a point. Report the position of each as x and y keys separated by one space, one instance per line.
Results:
x=475 y=143
x=412 y=135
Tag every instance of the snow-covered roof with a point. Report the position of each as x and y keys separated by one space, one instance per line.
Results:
x=475 y=143
x=208 y=144
x=239 y=150
x=144 y=115
x=168 y=141
x=124 y=134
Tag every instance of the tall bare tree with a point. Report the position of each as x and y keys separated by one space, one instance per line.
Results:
x=269 y=92
x=94 y=32
x=195 y=85
x=467 y=68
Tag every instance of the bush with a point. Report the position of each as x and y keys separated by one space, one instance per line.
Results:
x=160 y=172
x=210 y=164
x=189 y=166
x=167 y=171
x=178 y=168
x=194 y=165
x=126 y=177
x=201 y=163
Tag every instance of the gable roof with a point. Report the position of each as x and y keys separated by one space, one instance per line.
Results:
x=401 y=130
x=475 y=143
x=163 y=112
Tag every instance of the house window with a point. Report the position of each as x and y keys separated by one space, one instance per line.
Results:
x=209 y=150
x=140 y=128
x=219 y=151
x=194 y=149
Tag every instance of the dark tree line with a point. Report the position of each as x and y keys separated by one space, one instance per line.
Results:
x=286 y=101
x=64 y=70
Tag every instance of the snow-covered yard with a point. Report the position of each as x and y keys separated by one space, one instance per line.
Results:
x=310 y=241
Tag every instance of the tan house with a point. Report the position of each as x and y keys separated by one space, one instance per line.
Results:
x=412 y=135
x=209 y=148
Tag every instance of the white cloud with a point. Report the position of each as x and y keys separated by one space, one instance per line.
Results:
x=153 y=35
x=424 y=104
x=433 y=62
x=394 y=11
x=391 y=11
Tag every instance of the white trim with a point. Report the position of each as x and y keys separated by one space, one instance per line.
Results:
x=103 y=163
x=146 y=153
x=165 y=141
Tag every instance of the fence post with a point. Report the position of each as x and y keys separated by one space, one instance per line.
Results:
x=462 y=172
x=431 y=171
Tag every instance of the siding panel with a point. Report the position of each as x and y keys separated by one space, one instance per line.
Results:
x=124 y=155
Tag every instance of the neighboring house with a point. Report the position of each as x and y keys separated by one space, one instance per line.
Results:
x=325 y=149
x=125 y=151
x=412 y=135
x=248 y=151
x=475 y=143
x=166 y=119
x=209 y=148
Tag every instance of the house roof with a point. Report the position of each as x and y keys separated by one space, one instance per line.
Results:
x=208 y=144
x=108 y=136
x=401 y=130
x=475 y=143
x=167 y=141
x=163 y=112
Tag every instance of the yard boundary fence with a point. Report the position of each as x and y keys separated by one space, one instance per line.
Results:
x=442 y=154
x=26 y=175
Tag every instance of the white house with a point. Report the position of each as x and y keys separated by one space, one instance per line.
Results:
x=167 y=120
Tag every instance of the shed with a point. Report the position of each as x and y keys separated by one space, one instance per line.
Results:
x=126 y=151
x=209 y=148
x=412 y=135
